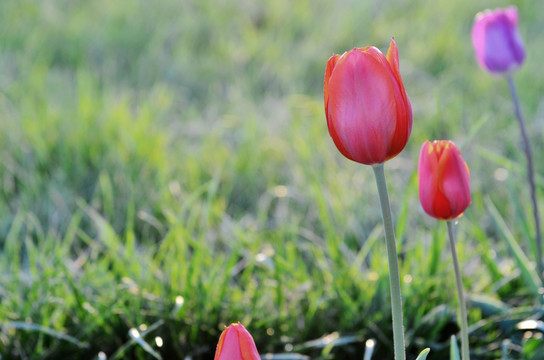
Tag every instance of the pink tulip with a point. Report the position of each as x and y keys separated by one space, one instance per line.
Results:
x=236 y=343
x=369 y=115
x=497 y=42
x=444 y=180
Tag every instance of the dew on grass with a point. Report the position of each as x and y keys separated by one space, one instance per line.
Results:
x=500 y=174
x=158 y=341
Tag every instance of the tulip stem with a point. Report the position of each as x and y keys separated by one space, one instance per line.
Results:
x=394 y=278
x=530 y=172
x=465 y=354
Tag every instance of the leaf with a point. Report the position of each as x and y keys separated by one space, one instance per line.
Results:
x=454 y=349
x=488 y=305
x=48 y=331
x=527 y=272
x=370 y=345
x=423 y=355
x=137 y=337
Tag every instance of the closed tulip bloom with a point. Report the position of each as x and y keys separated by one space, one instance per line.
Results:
x=236 y=343
x=444 y=180
x=369 y=115
x=497 y=42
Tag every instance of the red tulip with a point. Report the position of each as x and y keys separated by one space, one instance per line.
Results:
x=497 y=42
x=236 y=343
x=444 y=180
x=369 y=115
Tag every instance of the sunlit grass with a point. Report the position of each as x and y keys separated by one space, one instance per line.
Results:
x=167 y=168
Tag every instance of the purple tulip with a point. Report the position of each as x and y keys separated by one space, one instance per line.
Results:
x=497 y=42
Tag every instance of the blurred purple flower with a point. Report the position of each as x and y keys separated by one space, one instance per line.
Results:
x=497 y=42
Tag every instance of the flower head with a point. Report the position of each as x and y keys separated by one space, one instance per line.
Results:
x=444 y=180
x=236 y=343
x=369 y=115
x=497 y=42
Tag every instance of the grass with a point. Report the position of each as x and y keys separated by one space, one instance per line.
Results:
x=166 y=169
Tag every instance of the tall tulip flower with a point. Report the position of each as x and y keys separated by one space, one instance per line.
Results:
x=236 y=343
x=369 y=115
x=444 y=180
x=444 y=192
x=500 y=50
x=497 y=42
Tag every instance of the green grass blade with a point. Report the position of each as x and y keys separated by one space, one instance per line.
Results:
x=370 y=345
x=12 y=244
x=423 y=355
x=528 y=273
x=44 y=330
x=137 y=337
x=454 y=349
x=402 y=218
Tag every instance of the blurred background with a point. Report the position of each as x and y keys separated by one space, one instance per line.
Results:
x=166 y=169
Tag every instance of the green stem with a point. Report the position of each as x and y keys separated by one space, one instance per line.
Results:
x=530 y=173
x=461 y=297
x=394 y=278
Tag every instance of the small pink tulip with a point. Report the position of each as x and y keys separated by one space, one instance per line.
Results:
x=369 y=115
x=497 y=42
x=444 y=180
x=236 y=343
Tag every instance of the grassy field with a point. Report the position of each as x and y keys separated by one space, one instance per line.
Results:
x=166 y=169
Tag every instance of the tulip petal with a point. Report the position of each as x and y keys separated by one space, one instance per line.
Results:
x=393 y=56
x=432 y=199
x=220 y=344
x=247 y=345
x=442 y=205
x=328 y=72
x=498 y=49
x=331 y=63
x=230 y=349
x=428 y=184
x=455 y=184
x=404 y=128
x=478 y=38
x=512 y=14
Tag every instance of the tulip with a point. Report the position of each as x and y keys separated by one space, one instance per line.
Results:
x=497 y=42
x=369 y=115
x=236 y=343
x=499 y=49
x=444 y=180
x=444 y=193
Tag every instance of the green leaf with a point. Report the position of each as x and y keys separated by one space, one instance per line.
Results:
x=454 y=349
x=423 y=355
x=528 y=273
x=370 y=345
x=137 y=337
x=17 y=325
x=488 y=305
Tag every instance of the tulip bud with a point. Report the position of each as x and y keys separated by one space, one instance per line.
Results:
x=444 y=180
x=369 y=115
x=236 y=343
x=497 y=42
